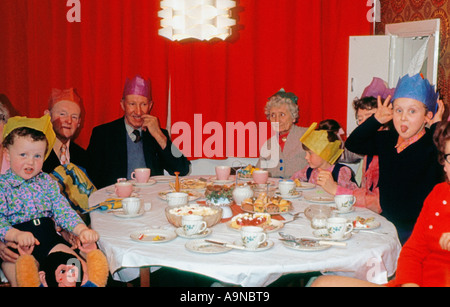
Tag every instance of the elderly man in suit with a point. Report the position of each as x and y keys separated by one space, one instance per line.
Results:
x=134 y=141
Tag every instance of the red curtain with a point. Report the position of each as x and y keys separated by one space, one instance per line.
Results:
x=299 y=45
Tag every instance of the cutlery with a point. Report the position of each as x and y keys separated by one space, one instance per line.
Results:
x=305 y=241
x=310 y=241
x=226 y=244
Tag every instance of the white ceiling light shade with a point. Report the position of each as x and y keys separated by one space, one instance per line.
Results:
x=200 y=19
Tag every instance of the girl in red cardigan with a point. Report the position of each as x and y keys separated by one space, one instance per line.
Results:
x=425 y=258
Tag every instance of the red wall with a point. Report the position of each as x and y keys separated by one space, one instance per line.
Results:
x=300 y=45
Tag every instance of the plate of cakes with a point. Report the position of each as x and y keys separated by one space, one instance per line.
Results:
x=263 y=220
x=266 y=204
x=190 y=184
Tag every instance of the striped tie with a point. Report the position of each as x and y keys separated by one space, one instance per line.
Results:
x=63 y=157
x=138 y=136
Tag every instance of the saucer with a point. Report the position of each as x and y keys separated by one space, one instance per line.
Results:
x=111 y=190
x=346 y=212
x=132 y=195
x=320 y=199
x=121 y=214
x=230 y=180
x=153 y=236
x=290 y=196
x=305 y=247
x=202 y=247
x=150 y=182
x=306 y=186
x=262 y=247
x=164 y=179
x=324 y=235
x=180 y=232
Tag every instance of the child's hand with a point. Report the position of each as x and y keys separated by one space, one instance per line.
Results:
x=25 y=239
x=444 y=242
x=326 y=181
x=438 y=116
x=23 y=250
x=88 y=236
x=385 y=111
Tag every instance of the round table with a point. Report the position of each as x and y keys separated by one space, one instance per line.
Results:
x=369 y=255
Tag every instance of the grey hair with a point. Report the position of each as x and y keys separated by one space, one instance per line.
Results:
x=4 y=113
x=276 y=101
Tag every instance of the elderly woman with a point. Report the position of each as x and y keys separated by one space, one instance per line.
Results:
x=282 y=155
x=4 y=115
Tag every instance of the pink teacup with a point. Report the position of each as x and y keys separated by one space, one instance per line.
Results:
x=223 y=172
x=260 y=176
x=141 y=175
x=123 y=189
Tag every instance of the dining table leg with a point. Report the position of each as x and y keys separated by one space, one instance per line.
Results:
x=145 y=277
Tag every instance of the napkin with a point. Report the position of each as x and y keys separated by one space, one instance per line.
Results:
x=108 y=204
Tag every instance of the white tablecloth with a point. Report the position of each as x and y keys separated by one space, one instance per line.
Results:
x=369 y=255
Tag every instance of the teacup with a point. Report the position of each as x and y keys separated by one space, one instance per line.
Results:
x=344 y=203
x=193 y=224
x=260 y=176
x=253 y=237
x=177 y=199
x=131 y=205
x=223 y=172
x=338 y=227
x=123 y=189
x=286 y=187
x=141 y=175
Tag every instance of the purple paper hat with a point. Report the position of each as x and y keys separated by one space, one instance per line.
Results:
x=378 y=88
x=137 y=86
x=419 y=89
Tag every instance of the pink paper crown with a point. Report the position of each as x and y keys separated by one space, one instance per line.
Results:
x=58 y=95
x=378 y=88
x=137 y=86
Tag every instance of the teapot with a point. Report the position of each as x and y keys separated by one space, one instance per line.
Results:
x=242 y=192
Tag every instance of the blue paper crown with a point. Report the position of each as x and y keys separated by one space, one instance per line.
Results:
x=419 y=89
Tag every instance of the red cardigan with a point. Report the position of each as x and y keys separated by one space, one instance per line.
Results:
x=422 y=260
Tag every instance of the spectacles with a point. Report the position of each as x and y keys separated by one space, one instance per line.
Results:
x=447 y=158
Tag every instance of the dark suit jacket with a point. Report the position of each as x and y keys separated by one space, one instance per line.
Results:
x=108 y=160
x=78 y=156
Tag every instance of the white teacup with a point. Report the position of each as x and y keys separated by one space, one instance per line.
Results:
x=338 y=227
x=193 y=224
x=123 y=189
x=260 y=176
x=286 y=187
x=223 y=172
x=344 y=203
x=177 y=199
x=141 y=175
x=131 y=205
x=253 y=237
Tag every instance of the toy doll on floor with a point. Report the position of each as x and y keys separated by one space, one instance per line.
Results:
x=63 y=268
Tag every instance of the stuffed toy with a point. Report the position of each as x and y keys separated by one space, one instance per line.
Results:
x=63 y=269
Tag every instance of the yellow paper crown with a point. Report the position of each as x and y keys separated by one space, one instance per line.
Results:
x=317 y=142
x=42 y=124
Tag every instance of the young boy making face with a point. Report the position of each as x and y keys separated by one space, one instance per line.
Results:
x=408 y=168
